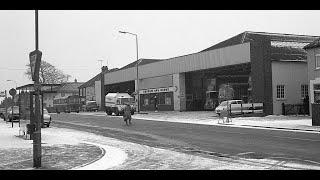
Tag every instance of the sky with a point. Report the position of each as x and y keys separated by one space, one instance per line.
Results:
x=75 y=40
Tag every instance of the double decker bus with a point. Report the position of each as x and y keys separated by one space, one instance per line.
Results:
x=68 y=104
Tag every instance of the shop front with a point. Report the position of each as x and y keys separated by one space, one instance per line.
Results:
x=160 y=99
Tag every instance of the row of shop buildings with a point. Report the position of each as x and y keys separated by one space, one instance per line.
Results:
x=268 y=68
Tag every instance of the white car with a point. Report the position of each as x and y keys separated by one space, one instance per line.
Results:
x=223 y=105
x=46 y=118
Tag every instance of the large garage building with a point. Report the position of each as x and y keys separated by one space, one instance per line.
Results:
x=261 y=67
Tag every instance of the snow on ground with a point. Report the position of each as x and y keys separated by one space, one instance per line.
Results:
x=127 y=155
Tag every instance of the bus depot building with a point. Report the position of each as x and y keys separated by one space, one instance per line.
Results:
x=266 y=68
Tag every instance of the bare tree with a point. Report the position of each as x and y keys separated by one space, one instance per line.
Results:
x=49 y=74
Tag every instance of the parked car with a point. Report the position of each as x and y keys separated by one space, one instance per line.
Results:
x=2 y=113
x=46 y=118
x=91 y=106
x=223 y=105
x=15 y=115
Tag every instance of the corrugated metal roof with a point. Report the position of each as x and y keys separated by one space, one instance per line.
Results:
x=95 y=78
x=314 y=44
x=248 y=36
x=68 y=87
x=133 y=64
x=283 y=46
x=143 y=61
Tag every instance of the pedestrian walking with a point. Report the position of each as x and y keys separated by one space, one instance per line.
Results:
x=156 y=103
x=127 y=114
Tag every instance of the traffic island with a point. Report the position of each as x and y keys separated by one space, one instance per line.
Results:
x=55 y=157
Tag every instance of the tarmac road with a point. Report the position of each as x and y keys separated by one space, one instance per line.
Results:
x=203 y=140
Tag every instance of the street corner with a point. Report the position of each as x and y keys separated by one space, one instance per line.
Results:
x=55 y=157
x=111 y=157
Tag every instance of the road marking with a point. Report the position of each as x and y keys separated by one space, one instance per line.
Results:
x=244 y=153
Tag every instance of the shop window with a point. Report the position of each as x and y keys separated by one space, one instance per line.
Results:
x=168 y=98
x=280 y=92
x=317 y=59
x=161 y=98
x=304 y=90
x=316 y=88
x=146 y=101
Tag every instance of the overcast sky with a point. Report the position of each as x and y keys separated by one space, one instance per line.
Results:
x=74 y=41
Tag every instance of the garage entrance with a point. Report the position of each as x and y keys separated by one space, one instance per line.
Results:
x=202 y=87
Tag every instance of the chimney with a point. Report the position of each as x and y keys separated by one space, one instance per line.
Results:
x=75 y=80
x=104 y=68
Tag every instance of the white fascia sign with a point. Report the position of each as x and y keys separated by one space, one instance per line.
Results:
x=157 y=90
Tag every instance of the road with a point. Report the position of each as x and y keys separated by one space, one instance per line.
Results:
x=202 y=140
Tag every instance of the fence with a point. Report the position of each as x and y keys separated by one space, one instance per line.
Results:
x=249 y=109
x=290 y=109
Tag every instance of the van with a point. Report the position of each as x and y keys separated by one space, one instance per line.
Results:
x=115 y=103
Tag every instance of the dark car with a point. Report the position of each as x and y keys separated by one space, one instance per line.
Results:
x=2 y=113
x=91 y=106
x=15 y=115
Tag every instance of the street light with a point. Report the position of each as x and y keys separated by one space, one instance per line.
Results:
x=124 y=32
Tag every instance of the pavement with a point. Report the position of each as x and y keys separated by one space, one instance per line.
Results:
x=65 y=149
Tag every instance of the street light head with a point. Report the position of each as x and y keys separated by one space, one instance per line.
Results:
x=122 y=32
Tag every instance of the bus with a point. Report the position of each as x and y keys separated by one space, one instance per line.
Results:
x=68 y=104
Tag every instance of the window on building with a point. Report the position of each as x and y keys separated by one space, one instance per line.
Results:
x=316 y=88
x=304 y=90
x=280 y=92
x=168 y=97
x=146 y=101
x=161 y=98
x=317 y=61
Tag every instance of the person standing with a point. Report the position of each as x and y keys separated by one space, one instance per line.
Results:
x=156 y=103
x=127 y=114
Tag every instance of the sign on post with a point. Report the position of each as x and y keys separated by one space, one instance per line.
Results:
x=12 y=92
x=2 y=94
x=35 y=60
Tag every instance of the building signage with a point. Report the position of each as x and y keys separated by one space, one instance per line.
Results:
x=35 y=61
x=158 y=90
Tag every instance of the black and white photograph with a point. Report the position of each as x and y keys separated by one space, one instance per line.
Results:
x=159 y=90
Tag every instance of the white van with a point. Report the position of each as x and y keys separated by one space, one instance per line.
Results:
x=115 y=103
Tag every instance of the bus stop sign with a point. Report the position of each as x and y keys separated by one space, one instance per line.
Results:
x=35 y=60
x=12 y=92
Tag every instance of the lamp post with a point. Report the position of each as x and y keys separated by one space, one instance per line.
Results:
x=137 y=65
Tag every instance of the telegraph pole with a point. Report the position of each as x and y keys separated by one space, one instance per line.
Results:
x=35 y=61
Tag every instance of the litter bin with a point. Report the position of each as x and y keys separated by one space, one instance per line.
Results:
x=30 y=128
x=315 y=107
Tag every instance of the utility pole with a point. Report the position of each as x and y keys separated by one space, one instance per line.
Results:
x=35 y=61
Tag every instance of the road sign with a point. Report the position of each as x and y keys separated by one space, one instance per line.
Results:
x=12 y=92
x=2 y=94
x=35 y=61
